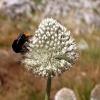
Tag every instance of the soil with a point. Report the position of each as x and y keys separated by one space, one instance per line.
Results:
x=15 y=80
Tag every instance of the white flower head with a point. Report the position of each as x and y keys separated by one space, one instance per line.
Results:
x=52 y=50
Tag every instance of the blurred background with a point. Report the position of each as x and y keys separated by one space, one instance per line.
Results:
x=81 y=17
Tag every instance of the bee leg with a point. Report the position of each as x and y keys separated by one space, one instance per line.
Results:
x=24 y=49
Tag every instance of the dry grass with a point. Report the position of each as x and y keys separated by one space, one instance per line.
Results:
x=18 y=84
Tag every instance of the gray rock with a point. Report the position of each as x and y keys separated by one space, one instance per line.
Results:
x=87 y=11
x=80 y=14
x=17 y=8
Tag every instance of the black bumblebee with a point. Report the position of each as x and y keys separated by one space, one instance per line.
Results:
x=20 y=44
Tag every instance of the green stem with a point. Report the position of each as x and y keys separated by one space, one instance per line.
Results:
x=48 y=87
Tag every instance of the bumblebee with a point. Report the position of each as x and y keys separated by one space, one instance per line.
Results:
x=20 y=44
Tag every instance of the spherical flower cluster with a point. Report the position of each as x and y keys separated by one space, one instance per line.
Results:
x=52 y=50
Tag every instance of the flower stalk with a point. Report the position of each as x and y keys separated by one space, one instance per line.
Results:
x=48 y=88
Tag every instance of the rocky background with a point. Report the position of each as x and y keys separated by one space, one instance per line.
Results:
x=80 y=15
